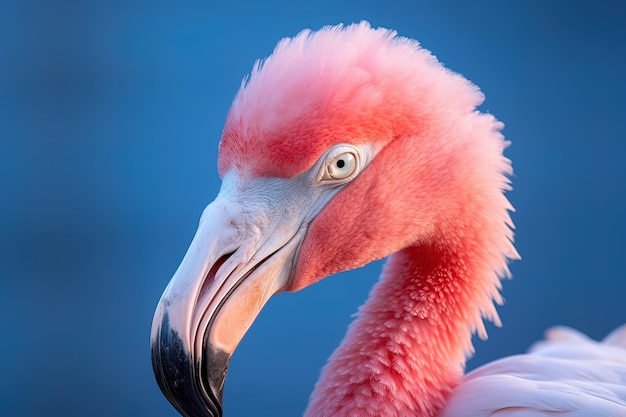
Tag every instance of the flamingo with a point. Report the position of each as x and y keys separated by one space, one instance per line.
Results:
x=348 y=145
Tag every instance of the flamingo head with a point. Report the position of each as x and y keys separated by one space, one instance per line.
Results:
x=344 y=146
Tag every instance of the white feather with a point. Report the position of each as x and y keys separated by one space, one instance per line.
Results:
x=566 y=375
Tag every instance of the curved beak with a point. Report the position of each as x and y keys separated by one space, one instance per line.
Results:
x=243 y=253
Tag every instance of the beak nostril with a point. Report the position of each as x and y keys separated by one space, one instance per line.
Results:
x=210 y=277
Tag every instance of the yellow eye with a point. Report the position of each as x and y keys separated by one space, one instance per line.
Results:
x=340 y=167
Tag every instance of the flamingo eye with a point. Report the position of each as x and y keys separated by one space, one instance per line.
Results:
x=341 y=166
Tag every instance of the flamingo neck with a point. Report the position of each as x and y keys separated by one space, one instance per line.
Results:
x=407 y=349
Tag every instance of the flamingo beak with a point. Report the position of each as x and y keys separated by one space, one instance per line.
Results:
x=243 y=253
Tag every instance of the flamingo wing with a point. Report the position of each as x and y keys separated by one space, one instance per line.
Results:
x=567 y=374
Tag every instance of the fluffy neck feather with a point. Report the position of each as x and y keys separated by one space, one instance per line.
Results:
x=406 y=350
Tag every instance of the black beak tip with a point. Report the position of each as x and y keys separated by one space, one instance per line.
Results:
x=194 y=388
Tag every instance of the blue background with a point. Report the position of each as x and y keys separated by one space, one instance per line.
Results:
x=110 y=113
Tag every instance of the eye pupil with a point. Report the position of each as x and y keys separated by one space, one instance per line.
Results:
x=341 y=163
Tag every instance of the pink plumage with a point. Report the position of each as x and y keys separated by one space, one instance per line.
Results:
x=355 y=83
x=426 y=189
